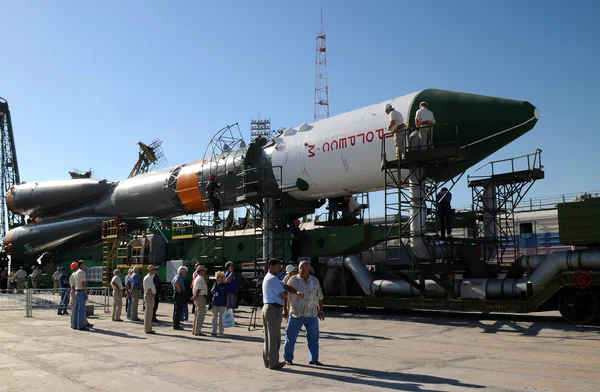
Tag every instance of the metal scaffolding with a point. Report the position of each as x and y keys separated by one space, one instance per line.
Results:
x=10 y=169
x=495 y=195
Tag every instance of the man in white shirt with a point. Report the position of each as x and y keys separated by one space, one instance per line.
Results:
x=149 y=293
x=74 y=267
x=397 y=127
x=55 y=277
x=424 y=121
x=80 y=280
x=117 y=287
x=36 y=276
x=199 y=295
x=21 y=279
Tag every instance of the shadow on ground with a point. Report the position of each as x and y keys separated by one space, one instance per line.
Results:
x=524 y=324
x=380 y=379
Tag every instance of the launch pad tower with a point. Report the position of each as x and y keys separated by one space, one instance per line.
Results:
x=10 y=169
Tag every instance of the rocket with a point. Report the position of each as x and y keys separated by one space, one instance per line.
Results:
x=338 y=156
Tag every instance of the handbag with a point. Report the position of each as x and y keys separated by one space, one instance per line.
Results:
x=228 y=319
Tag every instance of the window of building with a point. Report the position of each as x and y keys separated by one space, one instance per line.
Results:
x=526 y=230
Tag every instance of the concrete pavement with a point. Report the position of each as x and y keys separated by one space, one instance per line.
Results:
x=377 y=350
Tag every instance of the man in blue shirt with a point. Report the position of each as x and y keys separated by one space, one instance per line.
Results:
x=128 y=288
x=444 y=197
x=274 y=292
x=136 y=292
x=179 y=296
x=65 y=287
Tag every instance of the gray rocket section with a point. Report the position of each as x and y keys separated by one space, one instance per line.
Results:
x=32 y=240
x=50 y=196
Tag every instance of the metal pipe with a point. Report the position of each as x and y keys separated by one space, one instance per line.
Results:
x=553 y=265
x=360 y=273
x=531 y=262
x=388 y=287
x=288 y=188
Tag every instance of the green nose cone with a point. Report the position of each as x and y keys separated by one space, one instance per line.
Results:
x=479 y=124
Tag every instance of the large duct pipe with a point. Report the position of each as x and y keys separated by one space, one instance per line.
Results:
x=546 y=270
x=360 y=273
x=531 y=262
x=555 y=264
x=387 y=287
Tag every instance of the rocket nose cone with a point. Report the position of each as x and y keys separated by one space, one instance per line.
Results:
x=537 y=113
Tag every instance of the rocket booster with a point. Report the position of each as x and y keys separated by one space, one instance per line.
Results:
x=334 y=157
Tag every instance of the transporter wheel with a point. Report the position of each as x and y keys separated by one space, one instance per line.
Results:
x=578 y=306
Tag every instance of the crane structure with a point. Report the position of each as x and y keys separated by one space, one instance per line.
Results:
x=321 y=83
x=150 y=156
x=10 y=170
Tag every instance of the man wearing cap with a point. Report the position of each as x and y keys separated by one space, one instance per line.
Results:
x=79 y=321
x=211 y=190
x=290 y=271
x=117 y=287
x=149 y=294
x=397 y=127
x=424 y=121
x=274 y=292
x=65 y=288
x=199 y=296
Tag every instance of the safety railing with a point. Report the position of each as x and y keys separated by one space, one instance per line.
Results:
x=440 y=136
x=99 y=297
x=526 y=162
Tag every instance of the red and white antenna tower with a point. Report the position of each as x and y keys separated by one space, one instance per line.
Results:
x=321 y=87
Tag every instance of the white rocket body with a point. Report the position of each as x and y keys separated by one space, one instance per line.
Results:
x=340 y=155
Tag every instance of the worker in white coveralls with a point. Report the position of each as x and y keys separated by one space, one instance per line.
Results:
x=397 y=127
x=424 y=121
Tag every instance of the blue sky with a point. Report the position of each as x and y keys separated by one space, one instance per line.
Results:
x=87 y=80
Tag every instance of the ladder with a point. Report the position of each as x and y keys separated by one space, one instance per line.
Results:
x=113 y=232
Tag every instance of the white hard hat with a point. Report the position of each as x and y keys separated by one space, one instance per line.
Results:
x=388 y=106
